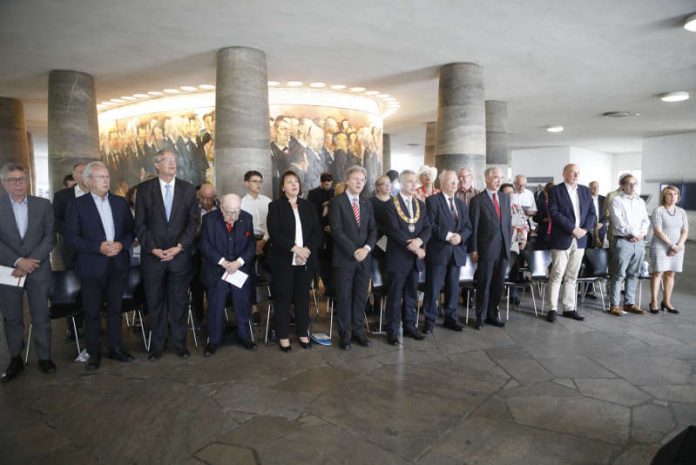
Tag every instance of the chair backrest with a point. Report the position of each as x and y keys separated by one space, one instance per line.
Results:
x=599 y=261
x=377 y=278
x=66 y=288
x=130 y=290
x=539 y=262
x=467 y=272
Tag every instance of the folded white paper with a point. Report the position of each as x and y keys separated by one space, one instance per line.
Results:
x=382 y=243
x=237 y=279
x=7 y=279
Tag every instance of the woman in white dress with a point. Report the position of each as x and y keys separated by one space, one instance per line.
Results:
x=670 y=228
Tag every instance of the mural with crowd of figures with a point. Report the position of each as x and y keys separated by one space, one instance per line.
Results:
x=307 y=139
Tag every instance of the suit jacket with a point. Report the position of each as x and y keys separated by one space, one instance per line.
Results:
x=347 y=235
x=439 y=251
x=281 y=229
x=491 y=236
x=563 y=216
x=38 y=241
x=217 y=243
x=400 y=259
x=84 y=231
x=155 y=232
x=61 y=200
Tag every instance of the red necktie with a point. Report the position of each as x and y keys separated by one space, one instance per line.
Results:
x=229 y=227
x=496 y=205
x=356 y=211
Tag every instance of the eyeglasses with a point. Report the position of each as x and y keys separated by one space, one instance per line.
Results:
x=21 y=180
x=256 y=181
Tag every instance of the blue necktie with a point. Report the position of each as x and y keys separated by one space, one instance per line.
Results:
x=168 y=200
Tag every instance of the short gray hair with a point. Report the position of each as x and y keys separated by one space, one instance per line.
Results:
x=490 y=170
x=405 y=173
x=161 y=153
x=89 y=167
x=355 y=168
x=12 y=166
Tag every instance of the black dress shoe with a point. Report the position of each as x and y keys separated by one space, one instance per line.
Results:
x=120 y=355
x=345 y=342
x=428 y=328
x=305 y=345
x=496 y=322
x=47 y=366
x=155 y=354
x=478 y=326
x=183 y=352
x=93 y=363
x=452 y=324
x=574 y=315
x=14 y=368
x=286 y=348
x=248 y=344
x=361 y=340
x=393 y=339
x=210 y=349
x=414 y=333
x=551 y=316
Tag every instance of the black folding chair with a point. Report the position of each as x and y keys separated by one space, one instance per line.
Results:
x=133 y=300
x=596 y=273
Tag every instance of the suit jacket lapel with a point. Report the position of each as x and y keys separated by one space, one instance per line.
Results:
x=490 y=206
x=95 y=213
x=9 y=213
x=115 y=214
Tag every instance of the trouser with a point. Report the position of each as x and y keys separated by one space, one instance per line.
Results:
x=217 y=299
x=291 y=286
x=490 y=280
x=12 y=308
x=403 y=285
x=626 y=260
x=436 y=277
x=564 y=275
x=166 y=293
x=352 y=297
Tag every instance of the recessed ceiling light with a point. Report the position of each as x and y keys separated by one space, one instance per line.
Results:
x=690 y=23
x=140 y=95
x=107 y=104
x=383 y=96
x=317 y=85
x=127 y=97
x=372 y=92
x=156 y=93
x=117 y=100
x=294 y=83
x=555 y=128
x=620 y=114
x=357 y=89
x=206 y=87
x=338 y=87
x=170 y=91
x=273 y=83
x=188 y=88
x=675 y=96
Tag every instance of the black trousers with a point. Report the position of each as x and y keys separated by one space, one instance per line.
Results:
x=291 y=286
x=97 y=291
x=166 y=292
x=489 y=287
x=436 y=277
x=403 y=285
x=352 y=297
x=198 y=290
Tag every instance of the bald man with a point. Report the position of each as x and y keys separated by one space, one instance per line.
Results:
x=227 y=246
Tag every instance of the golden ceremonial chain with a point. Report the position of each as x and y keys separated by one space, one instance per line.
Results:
x=411 y=221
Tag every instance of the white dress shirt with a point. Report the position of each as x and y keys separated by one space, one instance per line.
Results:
x=575 y=200
x=299 y=240
x=79 y=192
x=258 y=209
x=106 y=215
x=163 y=187
x=629 y=216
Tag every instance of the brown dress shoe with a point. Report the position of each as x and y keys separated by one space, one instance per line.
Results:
x=616 y=310
x=633 y=308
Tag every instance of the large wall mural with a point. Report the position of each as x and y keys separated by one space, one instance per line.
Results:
x=308 y=139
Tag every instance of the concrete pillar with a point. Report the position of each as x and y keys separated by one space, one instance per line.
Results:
x=497 y=147
x=14 y=146
x=461 y=125
x=386 y=153
x=242 y=135
x=73 y=131
x=430 y=138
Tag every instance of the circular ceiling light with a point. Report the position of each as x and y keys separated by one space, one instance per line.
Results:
x=690 y=23
x=294 y=84
x=188 y=88
x=357 y=89
x=206 y=87
x=128 y=97
x=620 y=114
x=675 y=96
x=117 y=100
x=170 y=91
x=338 y=87
x=140 y=95
x=317 y=85
x=106 y=104
x=273 y=83
x=155 y=93
x=555 y=128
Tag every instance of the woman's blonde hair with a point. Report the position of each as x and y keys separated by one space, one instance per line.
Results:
x=663 y=194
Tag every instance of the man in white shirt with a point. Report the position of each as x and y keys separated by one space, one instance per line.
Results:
x=523 y=196
x=629 y=226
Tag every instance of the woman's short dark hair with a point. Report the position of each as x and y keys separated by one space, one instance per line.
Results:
x=282 y=181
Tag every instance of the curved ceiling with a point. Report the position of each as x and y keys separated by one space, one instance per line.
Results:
x=553 y=62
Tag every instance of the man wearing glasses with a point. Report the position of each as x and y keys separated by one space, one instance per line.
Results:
x=26 y=240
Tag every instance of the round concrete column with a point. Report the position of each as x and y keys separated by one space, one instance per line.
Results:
x=430 y=138
x=14 y=146
x=461 y=124
x=386 y=153
x=497 y=147
x=242 y=135
x=73 y=131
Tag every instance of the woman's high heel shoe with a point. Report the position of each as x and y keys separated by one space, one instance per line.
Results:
x=654 y=311
x=306 y=345
x=670 y=310
x=286 y=348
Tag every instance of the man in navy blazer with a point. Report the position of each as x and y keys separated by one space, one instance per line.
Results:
x=354 y=233
x=99 y=227
x=408 y=231
x=227 y=245
x=572 y=218
x=446 y=251
x=490 y=216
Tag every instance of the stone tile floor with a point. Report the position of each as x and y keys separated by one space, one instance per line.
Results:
x=604 y=391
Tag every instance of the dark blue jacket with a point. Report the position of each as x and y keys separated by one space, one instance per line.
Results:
x=399 y=258
x=439 y=251
x=84 y=232
x=563 y=217
x=217 y=243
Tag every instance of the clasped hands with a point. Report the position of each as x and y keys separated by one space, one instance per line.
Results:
x=414 y=246
x=232 y=266
x=579 y=233
x=455 y=239
x=302 y=254
x=360 y=254
x=167 y=255
x=25 y=266
x=110 y=248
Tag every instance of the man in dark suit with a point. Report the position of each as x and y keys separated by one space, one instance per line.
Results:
x=61 y=201
x=408 y=230
x=26 y=240
x=320 y=197
x=572 y=218
x=490 y=217
x=354 y=233
x=227 y=245
x=599 y=232
x=166 y=218
x=99 y=227
x=449 y=219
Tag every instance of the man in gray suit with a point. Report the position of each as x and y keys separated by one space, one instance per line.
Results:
x=26 y=240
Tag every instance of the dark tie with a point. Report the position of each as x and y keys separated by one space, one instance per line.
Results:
x=496 y=204
x=453 y=210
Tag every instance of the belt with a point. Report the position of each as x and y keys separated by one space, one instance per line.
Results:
x=258 y=237
x=622 y=237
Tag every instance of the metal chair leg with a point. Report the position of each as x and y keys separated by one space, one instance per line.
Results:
x=193 y=327
x=26 y=355
x=251 y=331
x=142 y=328
x=268 y=322
x=531 y=291
x=331 y=309
x=77 y=338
